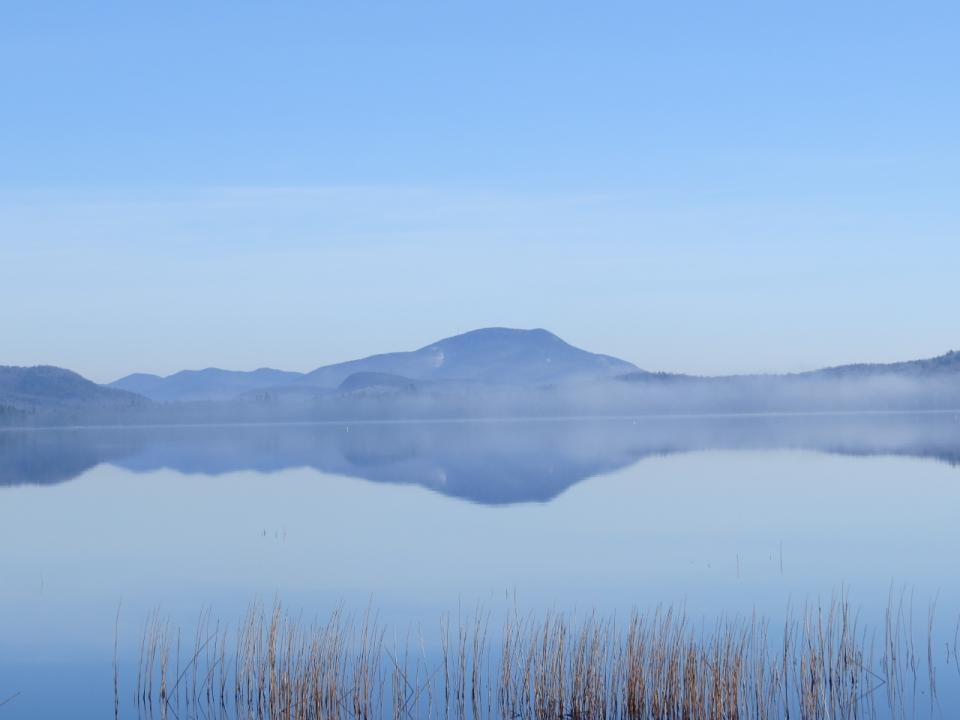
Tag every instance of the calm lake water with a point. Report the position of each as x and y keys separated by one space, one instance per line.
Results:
x=725 y=515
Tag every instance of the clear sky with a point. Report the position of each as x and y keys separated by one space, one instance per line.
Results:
x=703 y=187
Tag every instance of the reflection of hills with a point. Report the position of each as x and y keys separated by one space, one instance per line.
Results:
x=45 y=457
x=488 y=462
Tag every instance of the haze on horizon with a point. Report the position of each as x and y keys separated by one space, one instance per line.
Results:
x=732 y=189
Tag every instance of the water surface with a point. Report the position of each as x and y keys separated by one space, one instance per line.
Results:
x=724 y=515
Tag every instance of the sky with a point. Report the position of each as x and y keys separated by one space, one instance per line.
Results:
x=694 y=187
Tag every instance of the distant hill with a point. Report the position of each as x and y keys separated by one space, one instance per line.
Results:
x=48 y=384
x=211 y=384
x=28 y=393
x=946 y=364
x=500 y=356
x=497 y=356
x=492 y=373
x=928 y=384
x=942 y=366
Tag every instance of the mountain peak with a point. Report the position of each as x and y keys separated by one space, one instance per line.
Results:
x=510 y=356
x=497 y=336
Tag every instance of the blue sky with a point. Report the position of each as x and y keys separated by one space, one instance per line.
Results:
x=699 y=187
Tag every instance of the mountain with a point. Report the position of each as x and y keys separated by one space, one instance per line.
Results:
x=27 y=393
x=493 y=356
x=488 y=373
x=928 y=384
x=48 y=384
x=497 y=356
x=942 y=365
x=211 y=384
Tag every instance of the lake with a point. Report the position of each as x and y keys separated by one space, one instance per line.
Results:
x=724 y=516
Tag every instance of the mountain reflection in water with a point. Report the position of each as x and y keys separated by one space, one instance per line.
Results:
x=488 y=462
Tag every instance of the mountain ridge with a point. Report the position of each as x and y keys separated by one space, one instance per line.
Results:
x=209 y=384
x=944 y=363
x=51 y=383
x=490 y=372
x=495 y=355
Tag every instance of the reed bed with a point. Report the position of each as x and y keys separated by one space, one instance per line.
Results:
x=819 y=665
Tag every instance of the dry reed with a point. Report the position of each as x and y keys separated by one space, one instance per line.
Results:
x=655 y=666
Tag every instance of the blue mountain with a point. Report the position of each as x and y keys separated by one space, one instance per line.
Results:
x=500 y=356
x=498 y=371
x=45 y=386
x=211 y=384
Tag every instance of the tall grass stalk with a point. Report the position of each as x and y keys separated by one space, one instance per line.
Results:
x=822 y=665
